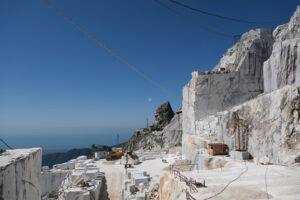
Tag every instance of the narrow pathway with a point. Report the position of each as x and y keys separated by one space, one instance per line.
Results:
x=114 y=178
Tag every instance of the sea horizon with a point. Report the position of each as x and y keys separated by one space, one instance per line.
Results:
x=63 y=142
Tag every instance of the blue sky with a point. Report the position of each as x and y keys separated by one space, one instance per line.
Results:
x=56 y=80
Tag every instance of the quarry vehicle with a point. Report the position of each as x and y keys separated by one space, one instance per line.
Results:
x=114 y=155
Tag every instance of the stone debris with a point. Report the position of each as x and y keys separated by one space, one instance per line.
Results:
x=78 y=179
x=138 y=184
x=84 y=182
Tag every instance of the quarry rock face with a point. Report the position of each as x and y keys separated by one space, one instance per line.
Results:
x=172 y=133
x=283 y=66
x=251 y=50
x=20 y=174
x=266 y=125
x=237 y=78
x=163 y=116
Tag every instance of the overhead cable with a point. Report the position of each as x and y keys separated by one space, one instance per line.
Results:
x=218 y=16
x=266 y=180
x=192 y=21
x=112 y=52
x=119 y=57
x=226 y=186
x=5 y=143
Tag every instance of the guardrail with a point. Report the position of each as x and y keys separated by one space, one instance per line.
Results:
x=189 y=196
x=182 y=178
x=175 y=170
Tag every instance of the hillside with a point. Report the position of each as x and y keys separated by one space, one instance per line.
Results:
x=55 y=158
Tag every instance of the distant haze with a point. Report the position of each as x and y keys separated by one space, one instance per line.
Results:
x=63 y=141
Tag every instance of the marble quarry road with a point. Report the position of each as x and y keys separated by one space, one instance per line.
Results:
x=114 y=178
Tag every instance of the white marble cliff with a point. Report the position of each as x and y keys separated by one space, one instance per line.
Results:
x=231 y=100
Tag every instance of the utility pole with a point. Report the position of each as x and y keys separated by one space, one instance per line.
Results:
x=147 y=122
x=117 y=139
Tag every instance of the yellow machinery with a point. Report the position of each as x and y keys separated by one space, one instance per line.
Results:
x=115 y=155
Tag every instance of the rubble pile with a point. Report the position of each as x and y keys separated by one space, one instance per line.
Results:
x=79 y=178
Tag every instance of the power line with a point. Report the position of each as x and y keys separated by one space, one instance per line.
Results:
x=216 y=15
x=119 y=57
x=5 y=143
x=246 y=169
x=192 y=21
x=266 y=185
x=112 y=52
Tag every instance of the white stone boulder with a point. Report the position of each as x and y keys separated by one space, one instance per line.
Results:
x=20 y=174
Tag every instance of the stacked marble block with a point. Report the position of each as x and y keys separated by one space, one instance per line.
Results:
x=150 y=155
x=71 y=163
x=240 y=155
x=83 y=193
x=84 y=182
x=87 y=170
x=136 y=184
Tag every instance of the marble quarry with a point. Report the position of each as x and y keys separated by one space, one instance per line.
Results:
x=84 y=182
x=259 y=114
x=78 y=178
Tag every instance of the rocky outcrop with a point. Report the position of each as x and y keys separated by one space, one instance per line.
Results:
x=237 y=78
x=165 y=132
x=163 y=116
x=20 y=174
x=283 y=66
x=145 y=139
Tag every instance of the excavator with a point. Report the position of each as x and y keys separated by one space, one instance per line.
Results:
x=114 y=155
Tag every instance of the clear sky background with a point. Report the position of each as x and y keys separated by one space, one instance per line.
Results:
x=56 y=80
